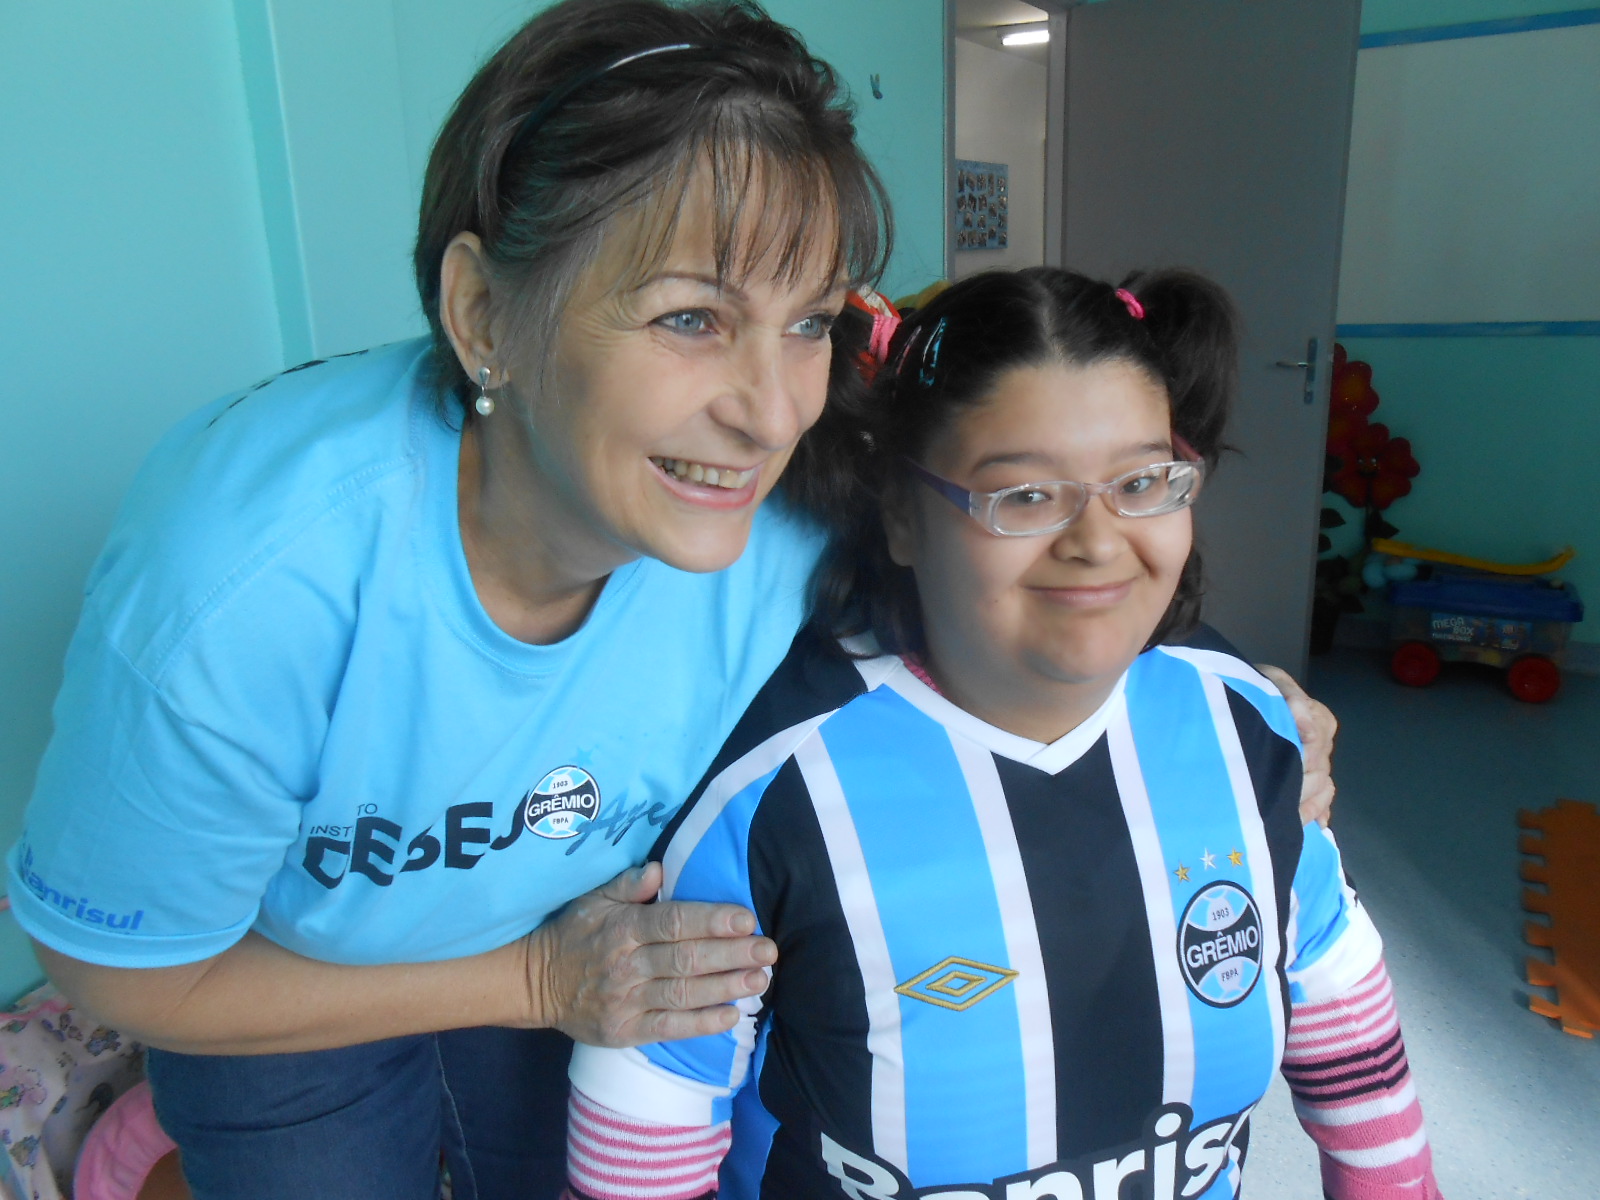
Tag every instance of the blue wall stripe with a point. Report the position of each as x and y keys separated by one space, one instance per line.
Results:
x=1474 y=29
x=1475 y=329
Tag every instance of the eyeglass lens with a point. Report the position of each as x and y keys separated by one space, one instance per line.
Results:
x=1145 y=493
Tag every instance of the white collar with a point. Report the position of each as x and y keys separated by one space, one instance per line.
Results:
x=889 y=670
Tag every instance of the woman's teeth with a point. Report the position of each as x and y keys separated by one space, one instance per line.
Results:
x=710 y=476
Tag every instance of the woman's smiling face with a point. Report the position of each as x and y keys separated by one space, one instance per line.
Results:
x=673 y=403
x=1009 y=620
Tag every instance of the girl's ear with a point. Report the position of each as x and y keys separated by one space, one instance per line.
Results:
x=899 y=524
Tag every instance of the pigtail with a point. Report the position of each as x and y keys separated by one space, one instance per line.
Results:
x=841 y=473
x=1195 y=330
x=827 y=476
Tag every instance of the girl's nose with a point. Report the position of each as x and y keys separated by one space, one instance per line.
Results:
x=1096 y=537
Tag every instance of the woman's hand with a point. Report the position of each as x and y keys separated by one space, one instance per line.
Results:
x=613 y=970
x=1318 y=727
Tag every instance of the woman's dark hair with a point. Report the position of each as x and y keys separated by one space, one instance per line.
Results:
x=949 y=356
x=745 y=107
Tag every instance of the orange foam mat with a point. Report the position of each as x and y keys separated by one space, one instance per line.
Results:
x=1563 y=845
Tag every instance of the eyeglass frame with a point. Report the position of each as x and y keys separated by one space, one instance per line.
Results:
x=980 y=506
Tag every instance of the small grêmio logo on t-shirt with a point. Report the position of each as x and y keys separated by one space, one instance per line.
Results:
x=564 y=806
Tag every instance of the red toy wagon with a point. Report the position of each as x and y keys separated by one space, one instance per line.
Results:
x=1474 y=611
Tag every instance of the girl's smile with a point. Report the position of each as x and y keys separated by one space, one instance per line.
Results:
x=1088 y=597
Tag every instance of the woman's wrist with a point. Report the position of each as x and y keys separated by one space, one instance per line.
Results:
x=531 y=959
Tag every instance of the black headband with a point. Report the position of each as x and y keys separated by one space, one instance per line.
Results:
x=547 y=107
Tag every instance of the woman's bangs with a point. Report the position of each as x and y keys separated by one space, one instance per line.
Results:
x=783 y=210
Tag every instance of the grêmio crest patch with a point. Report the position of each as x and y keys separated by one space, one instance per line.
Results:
x=562 y=803
x=1219 y=944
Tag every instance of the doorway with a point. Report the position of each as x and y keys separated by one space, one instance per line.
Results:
x=1000 y=77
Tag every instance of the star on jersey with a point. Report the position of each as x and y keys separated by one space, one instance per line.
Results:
x=1182 y=873
x=1236 y=858
x=1208 y=860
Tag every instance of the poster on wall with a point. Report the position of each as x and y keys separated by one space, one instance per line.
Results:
x=982 y=204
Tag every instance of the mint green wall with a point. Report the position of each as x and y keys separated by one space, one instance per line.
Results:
x=902 y=41
x=1505 y=430
x=197 y=193
x=136 y=287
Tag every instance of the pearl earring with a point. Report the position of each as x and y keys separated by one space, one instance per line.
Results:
x=485 y=402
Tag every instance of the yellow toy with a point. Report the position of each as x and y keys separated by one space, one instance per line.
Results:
x=1423 y=554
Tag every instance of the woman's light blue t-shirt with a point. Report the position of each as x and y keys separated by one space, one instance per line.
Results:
x=284 y=708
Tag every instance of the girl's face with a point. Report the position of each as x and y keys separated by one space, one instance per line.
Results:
x=1023 y=629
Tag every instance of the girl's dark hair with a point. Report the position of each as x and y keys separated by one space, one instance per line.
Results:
x=948 y=356
x=747 y=108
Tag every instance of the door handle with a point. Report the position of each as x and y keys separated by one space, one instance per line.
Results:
x=1309 y=366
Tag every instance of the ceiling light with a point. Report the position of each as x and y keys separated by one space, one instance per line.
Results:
x=1024 y=35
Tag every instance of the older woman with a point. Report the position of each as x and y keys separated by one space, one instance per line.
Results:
x=391 y=657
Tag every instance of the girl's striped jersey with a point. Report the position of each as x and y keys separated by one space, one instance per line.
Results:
x=1006 y=970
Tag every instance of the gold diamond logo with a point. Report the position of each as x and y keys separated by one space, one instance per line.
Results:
x=956 y=983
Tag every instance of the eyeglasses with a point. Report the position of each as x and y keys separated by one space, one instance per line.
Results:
x=1031 y=509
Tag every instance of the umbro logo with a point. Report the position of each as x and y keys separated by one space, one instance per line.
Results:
x=956 y=983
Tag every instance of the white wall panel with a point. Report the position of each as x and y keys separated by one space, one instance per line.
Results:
x=1474 y=189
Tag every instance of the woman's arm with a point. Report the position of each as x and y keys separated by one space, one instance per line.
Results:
x=609 y=970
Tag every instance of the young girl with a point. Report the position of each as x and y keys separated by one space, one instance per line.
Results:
x=1047 y=917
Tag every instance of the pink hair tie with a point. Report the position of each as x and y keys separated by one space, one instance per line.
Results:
x=1135 y=309
x=885 y=323
x=884 y=327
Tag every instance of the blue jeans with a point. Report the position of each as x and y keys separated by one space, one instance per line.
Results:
x=370 y=1122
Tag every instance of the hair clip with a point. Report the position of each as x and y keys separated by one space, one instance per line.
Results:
x=1135 y=309
x=885 y=322
x=930 y=354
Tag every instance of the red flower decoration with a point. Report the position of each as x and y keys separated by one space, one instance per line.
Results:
x=1352 y=388
x=1375 y=469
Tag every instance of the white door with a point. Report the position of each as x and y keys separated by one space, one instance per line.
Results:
x=1214 y=135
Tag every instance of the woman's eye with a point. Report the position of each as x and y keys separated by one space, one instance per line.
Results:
x=689 y=320
x=815 y=327
x=1138 y=485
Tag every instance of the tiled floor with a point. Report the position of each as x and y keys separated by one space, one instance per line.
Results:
x=1429 y=785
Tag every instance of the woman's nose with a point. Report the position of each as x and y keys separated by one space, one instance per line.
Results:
x=761 y=400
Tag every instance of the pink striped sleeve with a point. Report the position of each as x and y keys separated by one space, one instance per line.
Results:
x=1346 y=1064
x=614 y=1157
